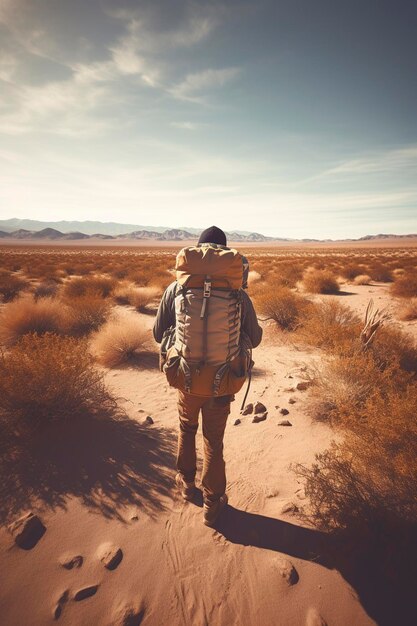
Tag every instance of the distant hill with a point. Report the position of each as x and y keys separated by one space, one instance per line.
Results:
x=92 y=228
x=74 y=231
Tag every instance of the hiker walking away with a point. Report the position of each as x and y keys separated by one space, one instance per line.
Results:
x=207 y=327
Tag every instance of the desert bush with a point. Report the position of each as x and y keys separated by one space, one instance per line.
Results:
x=351 y=271
x=392 y=346
x=362 y=279
x=320 y=281
x=45 y=289
x=381 y=273
x=405 y=286
x=141 y=297
x=357 y=486
x=331 y=326
x=27 y=315
x=86 y=313
x=408 y=311
x=281 y=305
x=120 y=340
x=46 y=379
x=253 y=277
x=11 y=286
x=89 y=285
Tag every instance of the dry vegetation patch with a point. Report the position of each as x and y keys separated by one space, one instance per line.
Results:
x=320 y=281
x=286 y=308
x=27 y=315
x=46 y=379
x=120 y=340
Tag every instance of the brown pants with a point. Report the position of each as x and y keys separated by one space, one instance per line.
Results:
x=214 y=416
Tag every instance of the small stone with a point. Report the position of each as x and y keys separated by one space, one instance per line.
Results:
x=27 y=531
x=290 y=376
x=260 y=407
x=110 y=555
x=248 y=409
x=314 y=618
x=69 y=562
x=60 y=604
x=284 y=411
x=236 y=422
x=141 y=411
x=304 y=385
x=260 y=417
x=292 y=401
x=284 y=423
x=149 y=420
x=86 y=592
x=289 y=507
x=287 y=571
x=277 y=406
x=289 y=389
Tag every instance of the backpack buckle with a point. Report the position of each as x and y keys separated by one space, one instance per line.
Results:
x=207 y=289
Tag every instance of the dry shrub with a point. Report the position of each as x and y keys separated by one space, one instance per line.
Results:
x=123 y=293
x=86 y=313
x=405 y=286
x=381 y=273
x=27 y=315
x=320 y=281
x=362 y=279
x=48 y=379
x=141 y=297
x=351 y=271
x=120 y=340
x=90 y=285
x=408 y=311
x=281 y=305
x=331 y=326
x=253 y=277
x=11 y=286
x=367 y=482
x=45 y=289
x=392 y=346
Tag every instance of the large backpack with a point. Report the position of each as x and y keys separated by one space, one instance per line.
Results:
x=209 y=355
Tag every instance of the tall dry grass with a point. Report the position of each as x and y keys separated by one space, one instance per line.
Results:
x=27 y=315
x=45 y=379
x=286 y=308
x=320 y=281
x=120 y=340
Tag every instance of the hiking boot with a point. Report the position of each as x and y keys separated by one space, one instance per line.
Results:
x=212 y=511
x=187 y=489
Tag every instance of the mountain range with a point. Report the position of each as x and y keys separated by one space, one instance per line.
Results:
x=74 y=230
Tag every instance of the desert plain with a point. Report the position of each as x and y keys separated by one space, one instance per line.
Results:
x=320 y=526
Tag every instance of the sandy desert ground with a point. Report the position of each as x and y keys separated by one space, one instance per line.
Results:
x=107 y=488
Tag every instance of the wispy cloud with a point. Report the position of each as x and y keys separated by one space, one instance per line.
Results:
x=196 y=85
x=186 y=125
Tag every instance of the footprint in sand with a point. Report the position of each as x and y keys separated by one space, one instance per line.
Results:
x=62 y=600
x=127 y=616
x=71 y=562
x=110 y=555
x=85 y=592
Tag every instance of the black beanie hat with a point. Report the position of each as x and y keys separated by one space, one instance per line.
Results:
x=213 y=235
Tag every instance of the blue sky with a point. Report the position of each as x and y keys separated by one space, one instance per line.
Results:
x=291 y=118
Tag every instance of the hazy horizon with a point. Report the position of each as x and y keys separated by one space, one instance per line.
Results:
x=292 y=119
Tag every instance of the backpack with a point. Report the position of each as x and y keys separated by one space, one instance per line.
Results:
x=207 y=354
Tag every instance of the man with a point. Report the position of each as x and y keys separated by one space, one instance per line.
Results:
x=215 y=410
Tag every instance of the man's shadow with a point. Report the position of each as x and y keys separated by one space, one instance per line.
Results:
x=388 y=598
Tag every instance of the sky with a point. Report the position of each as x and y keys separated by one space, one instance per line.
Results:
x=292 y=118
